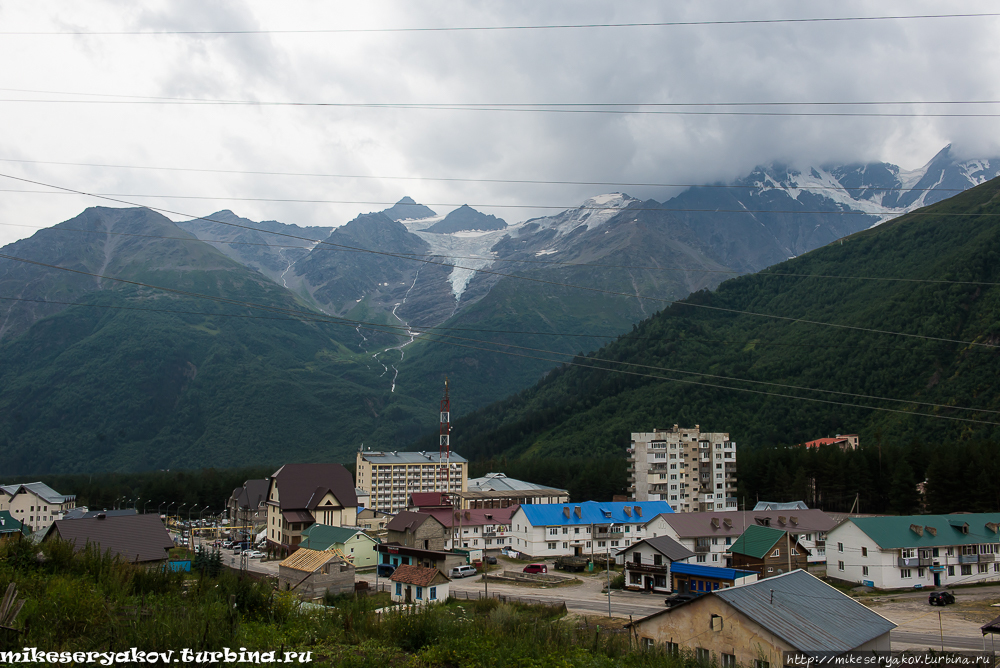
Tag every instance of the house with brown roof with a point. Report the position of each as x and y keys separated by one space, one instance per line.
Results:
x=248 y=504
x=418 y=585
x=313 y=573
x=420 y=530
x=483 y=529
x=139 y=539
x=300 y=495
x=710 y=535
x=768 y=552
x=647 y=563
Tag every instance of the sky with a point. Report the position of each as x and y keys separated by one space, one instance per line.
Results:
x=90 y=99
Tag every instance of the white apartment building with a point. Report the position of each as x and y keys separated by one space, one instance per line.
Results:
x=689 y=469
x=390 y=477
x=916 y=551
x=581 y=529
x=35 y=504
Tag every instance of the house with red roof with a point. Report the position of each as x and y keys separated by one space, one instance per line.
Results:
x=843 y=441
x=418 y=585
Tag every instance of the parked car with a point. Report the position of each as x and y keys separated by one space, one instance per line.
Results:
x=462 y=571
x=490 y=560
x=536 y=568
x=385 y=570
x=677 y=599
x=940 y=598
x=254 y=554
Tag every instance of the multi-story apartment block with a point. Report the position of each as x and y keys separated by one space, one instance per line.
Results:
x=35 y=504
x=916 y=550
x=390 y=477
x=689 y=469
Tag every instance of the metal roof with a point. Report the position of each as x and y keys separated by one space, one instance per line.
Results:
x=39 y=489
x=756 y=541
x=780 y=505
x=699 y=525
x=807 y=613
x=594 y=512
x=499 y=482
x=136 y=538
x=379 y=457
x=929 y=530
x=10 y=524
x=302 y=486
x=322 y=536
x=702 y=571
x=665 y=545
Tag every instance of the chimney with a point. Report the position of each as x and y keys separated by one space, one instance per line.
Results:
x=917 y=529
x=781 y=519
x=101 y=516
x=715 y=522
x=566 y=512
x=578 y=512
x=728 y=523
x=794 y=520
x=931 y=530
x=628 y=510
x=638 y=511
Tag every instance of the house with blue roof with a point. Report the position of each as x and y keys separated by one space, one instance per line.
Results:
x=581 y=529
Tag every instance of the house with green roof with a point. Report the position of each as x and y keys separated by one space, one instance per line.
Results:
x=768 y=551
x=357 y=546
x=11 y=526
x=915 y=551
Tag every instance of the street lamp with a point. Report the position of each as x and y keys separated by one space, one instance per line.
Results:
x=199 y=518
x=160 y=506
x=144 y=505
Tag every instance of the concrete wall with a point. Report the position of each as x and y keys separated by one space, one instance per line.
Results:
x=335 y=577
x=430 y=531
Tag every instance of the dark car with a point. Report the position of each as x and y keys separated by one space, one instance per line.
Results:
x=677 y=599
x=940 y=598
x=385 y=570
x=490 y=560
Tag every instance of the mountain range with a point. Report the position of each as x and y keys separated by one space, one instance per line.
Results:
x=265 y=338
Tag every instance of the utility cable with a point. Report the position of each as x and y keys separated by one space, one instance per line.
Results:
x=613 y=184
x=558 y=26
x=389 y=329
x=720 y=309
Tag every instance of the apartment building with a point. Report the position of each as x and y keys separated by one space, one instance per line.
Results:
x=35 y=504
x=300 y=495
x=390 y=477
x=916 y=550
x=689 y=469
x=496 y=490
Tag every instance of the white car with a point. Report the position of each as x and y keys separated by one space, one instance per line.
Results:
x=462 y=571
x=254 y=554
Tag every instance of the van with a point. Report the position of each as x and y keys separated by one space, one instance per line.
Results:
x=463 y=571
x=536 y=568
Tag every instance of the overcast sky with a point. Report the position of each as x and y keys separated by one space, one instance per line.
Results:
x=953 y=59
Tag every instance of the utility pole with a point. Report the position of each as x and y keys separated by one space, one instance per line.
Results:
x=788 y=544
x=607 y=563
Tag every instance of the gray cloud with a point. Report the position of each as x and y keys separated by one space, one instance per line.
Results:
x=943 y=59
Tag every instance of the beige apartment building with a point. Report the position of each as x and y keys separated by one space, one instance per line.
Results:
x=390 y=477
x=35 y=504
x=692 y=470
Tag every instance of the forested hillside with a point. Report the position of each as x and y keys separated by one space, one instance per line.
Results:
x=902 y=318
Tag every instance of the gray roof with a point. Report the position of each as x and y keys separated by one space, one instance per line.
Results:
x=379 y=457
x=253 y=493
x=666 y=546
x=780 y=505
x=499 y=482
x=136 y=538
x=84 y=513
x=697 y=525
x=40 y=489
x=807 y=613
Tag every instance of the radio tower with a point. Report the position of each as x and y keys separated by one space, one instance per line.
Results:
x=444 y=451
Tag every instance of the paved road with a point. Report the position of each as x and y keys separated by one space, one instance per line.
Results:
x=933 y=640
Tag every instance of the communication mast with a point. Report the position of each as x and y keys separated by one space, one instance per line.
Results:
x=444 y=449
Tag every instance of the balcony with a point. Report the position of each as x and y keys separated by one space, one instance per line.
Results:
x=701 y=549
x=633 y=567
x=913 y=562
x=970 y=558
x=986 y=558
x=601 y=535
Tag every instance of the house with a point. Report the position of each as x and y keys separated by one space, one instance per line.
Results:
x=364 y=498
x=916 y=550
x=496 y=490
x=11 y=527
x=416 y=530
x=418 y=585
x=843 y=441
x=764 y=506
x=35 y=503
x=390 y=477
x=768 y=552
x=299 y=495
x=135 y=538
x=248 y=504
x=581 y=529
x=754 y=624
x=647 y=563
x=312 y=574
x=374 y=521
x=357 y=546
x=397 y=555
x=420 y=501
x=709 y=535
x=483 y=529
x=699 y=578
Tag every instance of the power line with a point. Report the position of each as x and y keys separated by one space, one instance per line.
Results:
x=614 y=184
x=788 y=319
x=561 y=26
x=379 y=327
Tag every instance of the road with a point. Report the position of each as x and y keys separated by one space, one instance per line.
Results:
x=933 y=641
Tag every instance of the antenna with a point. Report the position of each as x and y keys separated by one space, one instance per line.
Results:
x=444 y=447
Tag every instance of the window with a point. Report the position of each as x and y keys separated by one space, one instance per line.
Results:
x=864 y=552
x=553 y=532
x=420 y=593
x=809 y=536
x=728 y=661
x=951 y=571
x=551 y=546
x=672 y=648
x=996 y=567
x=702 y=655
x=576 y=530
x=907 y=553
x=647 y=643
x=635 y=578
x=434 y=593
x=657 y=559
x=840 y=547
x=984 y=568
x=614 y=543
x=701 y=558
x=715 y=557
x=776 y=553
x=760 y=663
x=565 y=530
x=966 y=570
x=770 y=569
x=840 y=565
x=601 y=543
x=864 y=571
x=565 y=545
x=906 y=573
x=920 y=572
x=729 y=540
x=715 y=541
x=399 y=589
x=795 y=552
